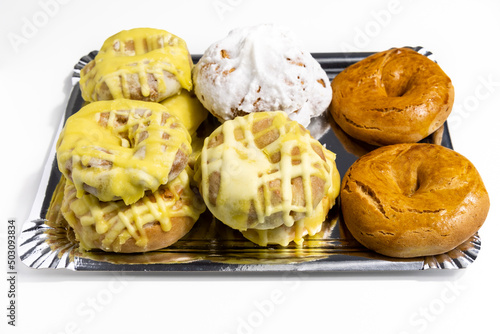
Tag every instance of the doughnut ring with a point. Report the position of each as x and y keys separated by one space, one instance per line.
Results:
x=121 y=148
x=155 y=221
x=139 y=64
x=261 y=68
x=395 y=96
x=409 y=200
x=283 y=235
x=261 y=171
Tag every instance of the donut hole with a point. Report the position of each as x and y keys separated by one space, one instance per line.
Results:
x=123 y=127
x=130 y=127
x=414 y=185
x=396 y=79
x=410 y=181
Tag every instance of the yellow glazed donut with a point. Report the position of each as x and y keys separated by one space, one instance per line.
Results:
x=139 y=64
x=119 y=149
x=283 y=235
x=187 y=108
x=261 y=171
x=155 y=221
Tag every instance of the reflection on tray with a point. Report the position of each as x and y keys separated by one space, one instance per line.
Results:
x=358 y=148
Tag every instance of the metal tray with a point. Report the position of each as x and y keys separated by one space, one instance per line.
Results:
x=47 y=242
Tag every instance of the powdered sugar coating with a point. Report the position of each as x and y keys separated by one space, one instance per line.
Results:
x=261 y=68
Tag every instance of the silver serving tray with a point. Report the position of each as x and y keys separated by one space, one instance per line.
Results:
x=211 y=246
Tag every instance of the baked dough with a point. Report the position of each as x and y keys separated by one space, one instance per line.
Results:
x=261 y=68
x=187 y=108
x=395 y=96
x=283 y=235
x=139 y=64
x=262 y=171
x=121 y=148
x=409 y=200
x=155 y=221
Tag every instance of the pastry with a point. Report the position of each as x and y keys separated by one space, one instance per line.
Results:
x=283 y=235
x=261 y=68
x=187 y=108
x=139 y=64
x=395 y=96
x=156 y=220
x=262 y=171
x=121 y=148
x=409 y=200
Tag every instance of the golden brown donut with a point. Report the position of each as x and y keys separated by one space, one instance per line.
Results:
x=409 y=200
x=395 y=96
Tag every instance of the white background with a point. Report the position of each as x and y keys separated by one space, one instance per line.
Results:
x=42 y=40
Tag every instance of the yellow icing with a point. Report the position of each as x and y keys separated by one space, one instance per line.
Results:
x=132 y=152
x=283 y=235
x=244 y=168
x=187 y=108
x=153 y=51
x=111 y=224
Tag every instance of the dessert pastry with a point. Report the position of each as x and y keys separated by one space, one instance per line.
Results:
x=283 y=235
x=263 y=171
x=261 y=68
x=119 y=149
x=395 y=96
x=155 y=221
x=409 y=200
x=187 y=108
x=139 y=64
